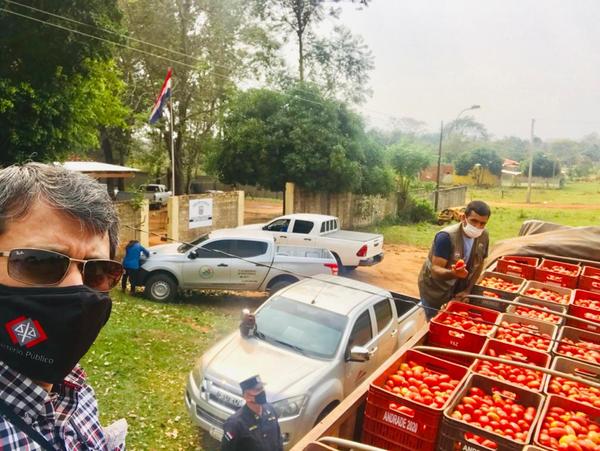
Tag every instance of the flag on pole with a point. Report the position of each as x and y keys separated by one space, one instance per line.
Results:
x=163 y=98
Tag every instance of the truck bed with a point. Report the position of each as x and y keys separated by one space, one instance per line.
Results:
x=352 y=236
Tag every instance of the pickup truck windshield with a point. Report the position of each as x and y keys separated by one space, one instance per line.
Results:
x=183 y=248
x=302 y=327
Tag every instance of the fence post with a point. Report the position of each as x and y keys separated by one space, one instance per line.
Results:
x=289 y=198
x=145 y=223
x=240 y=208
x=173 y=218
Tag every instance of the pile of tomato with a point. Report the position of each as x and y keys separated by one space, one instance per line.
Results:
x=462 y=320
x=420 y=384
x=539 y=315
x=503 y=371
x=495 y=413
x=528 y=335
x=569 y=430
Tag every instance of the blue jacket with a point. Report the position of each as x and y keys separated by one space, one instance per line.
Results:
x=132 y=256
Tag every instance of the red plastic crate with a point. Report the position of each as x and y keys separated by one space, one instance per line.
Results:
x=577 y=335
x=523 y=355
x=586 y=394
x=416 y=425
x=446 y=336
x=545 y=274
x=452 y=432
x=589 y=279
x=581 y=312
x=567 y=404
x=516 y=265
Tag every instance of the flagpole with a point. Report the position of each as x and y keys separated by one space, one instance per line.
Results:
x=172 y=145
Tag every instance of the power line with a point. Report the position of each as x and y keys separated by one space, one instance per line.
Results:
x=177 y=62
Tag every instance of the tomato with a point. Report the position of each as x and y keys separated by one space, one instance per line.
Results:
x=421 y=384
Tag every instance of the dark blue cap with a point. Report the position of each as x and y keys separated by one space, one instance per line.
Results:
x=251 y=382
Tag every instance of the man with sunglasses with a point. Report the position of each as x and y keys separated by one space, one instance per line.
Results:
x=58 y=236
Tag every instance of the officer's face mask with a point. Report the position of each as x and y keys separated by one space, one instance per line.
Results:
x=45 y=331
x=471 y=231
x=260 y=398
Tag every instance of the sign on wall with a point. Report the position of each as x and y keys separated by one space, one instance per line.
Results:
x=201 y=211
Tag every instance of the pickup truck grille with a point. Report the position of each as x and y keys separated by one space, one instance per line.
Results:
x=209 y=417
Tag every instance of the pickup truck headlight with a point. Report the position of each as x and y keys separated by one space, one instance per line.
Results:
x=289 y=407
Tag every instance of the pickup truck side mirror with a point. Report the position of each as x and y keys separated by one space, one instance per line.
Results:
x=358 y=354
x=265 y=227
x=193 y=255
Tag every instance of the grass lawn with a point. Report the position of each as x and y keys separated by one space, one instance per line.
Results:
x=573 y=193
x=139 y=364
x=509 y=212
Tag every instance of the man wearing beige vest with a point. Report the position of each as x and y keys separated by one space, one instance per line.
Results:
x=441 y=279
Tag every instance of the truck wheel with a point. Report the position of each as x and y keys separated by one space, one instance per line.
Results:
x=160 y=287
x=282 y=283
x=326 y=411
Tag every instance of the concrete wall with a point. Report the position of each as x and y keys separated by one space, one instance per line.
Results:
x=134 y=224
x=228 y=211
x=355 y=210
x=454 y=196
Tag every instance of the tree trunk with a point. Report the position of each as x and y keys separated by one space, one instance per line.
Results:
x=301 y=56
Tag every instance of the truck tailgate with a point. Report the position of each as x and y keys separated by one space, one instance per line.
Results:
x=349 y=235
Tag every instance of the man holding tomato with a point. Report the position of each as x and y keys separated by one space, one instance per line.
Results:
x=456 y=259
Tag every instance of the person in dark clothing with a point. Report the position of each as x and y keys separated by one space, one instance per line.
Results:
x=131 y=264
x=254 y=426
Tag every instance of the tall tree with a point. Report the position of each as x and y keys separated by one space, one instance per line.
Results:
x=408 y=160
x=340 y=63
x=53 y=80
x=271 y=138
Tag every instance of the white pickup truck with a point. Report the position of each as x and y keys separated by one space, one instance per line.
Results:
x=313 y=343
x=350 y=249
x=229 y=261
x=157 y=194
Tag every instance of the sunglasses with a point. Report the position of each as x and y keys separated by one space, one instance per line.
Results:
x=47 y=268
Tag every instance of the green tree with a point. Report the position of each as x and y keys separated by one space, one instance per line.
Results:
x=408 y=160
x=543 y=166
x=270 y=138
x=54 y=84
x=484 y=157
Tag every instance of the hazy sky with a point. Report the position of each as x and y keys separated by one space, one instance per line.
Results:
x=518 y=59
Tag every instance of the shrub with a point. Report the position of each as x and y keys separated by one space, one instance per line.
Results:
x=417 y=210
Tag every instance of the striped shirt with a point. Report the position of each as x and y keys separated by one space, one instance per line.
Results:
x=67 y=417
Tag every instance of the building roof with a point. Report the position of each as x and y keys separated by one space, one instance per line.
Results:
x=97 y=169
x=509 y=162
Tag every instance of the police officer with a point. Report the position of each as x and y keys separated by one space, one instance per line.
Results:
x=254 y=426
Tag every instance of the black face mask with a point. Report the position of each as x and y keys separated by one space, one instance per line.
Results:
x=44 y=332
x=261 y=398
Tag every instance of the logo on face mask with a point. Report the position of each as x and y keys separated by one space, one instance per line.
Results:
x=25 y=332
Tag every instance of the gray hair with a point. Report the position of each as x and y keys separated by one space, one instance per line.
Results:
x=72 y=193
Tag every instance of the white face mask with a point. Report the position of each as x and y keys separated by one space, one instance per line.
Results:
x=471 y=231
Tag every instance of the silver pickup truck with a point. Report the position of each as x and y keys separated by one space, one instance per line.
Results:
x=314 y=342
x=229 y=261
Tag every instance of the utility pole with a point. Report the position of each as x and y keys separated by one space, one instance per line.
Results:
x=439 y=170
x=530 y=163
